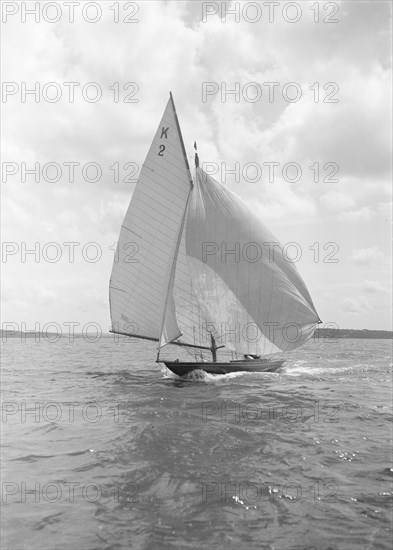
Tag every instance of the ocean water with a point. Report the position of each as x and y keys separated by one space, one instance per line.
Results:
x=104 y=449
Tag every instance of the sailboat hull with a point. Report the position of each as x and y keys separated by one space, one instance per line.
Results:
x=223 y=368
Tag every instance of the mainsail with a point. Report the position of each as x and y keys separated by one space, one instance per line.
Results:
x=204 y=265
x=149 y=238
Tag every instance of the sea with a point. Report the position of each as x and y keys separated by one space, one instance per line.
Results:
x=104 y=449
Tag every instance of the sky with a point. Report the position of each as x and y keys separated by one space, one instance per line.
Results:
x=328 y=109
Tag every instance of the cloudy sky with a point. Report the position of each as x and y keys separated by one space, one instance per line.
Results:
x=338 y=56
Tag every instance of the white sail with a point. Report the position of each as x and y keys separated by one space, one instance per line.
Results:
x=191 y=317
x=149 y=239
x=242 y=281
x=193 y=260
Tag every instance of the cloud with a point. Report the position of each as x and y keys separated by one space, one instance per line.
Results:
x=373 y=287
x=355 y=306
x=363 y=213
x=108 y=217
x=28 y=297
x=284 y=205
x=172 y=49
x=385 y=209
x=366 y=255
x=93 y=298
x=43 y=296
x=337 y=200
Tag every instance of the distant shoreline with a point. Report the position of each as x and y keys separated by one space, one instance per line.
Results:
x=353 y=333
x=319 y=333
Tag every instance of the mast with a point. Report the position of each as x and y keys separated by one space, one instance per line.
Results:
x=213 y=348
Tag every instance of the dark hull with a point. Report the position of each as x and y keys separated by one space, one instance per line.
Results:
x=223 y=368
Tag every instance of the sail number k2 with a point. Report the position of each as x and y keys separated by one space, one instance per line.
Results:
x=164 y=134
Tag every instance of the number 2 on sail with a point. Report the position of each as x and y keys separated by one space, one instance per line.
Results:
x=161 y=151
